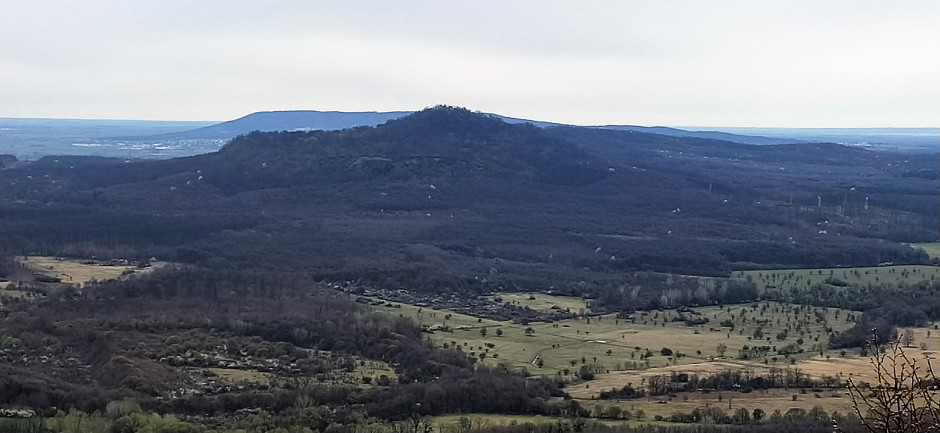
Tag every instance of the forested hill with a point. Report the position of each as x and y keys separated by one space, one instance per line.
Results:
x=445 y=143
x=308 y=120
x=447 y=199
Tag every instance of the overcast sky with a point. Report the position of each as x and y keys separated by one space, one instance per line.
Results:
x=717 y=63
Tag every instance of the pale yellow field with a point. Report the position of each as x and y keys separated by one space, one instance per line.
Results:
x=74 y=272
x=558 y=344
x=7 y=291
x=375 y=372
x=452 y=423
x=429 y=317
x=236 y=377
x=932 y=249
x=372 y=369
x=927 y=335
x=729 y=401
x=543 y=302
x=860 y=368
x=619 y=379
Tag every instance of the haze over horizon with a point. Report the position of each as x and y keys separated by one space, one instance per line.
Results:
x=726 y=63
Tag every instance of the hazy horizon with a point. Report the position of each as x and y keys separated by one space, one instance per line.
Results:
x=686 y=127
x=733 y=62
x=676 y=126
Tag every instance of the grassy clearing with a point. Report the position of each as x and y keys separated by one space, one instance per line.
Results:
x=7 y=291
x=932 y=249
x=13 y=293
x=926 y=345
x=851 y=366
x=558 y=344
x=478 y=421
x=769 y=401
x=609 y=344
x=239 y=377
x=543 y=302
x=75 y=272
x=427 y=316
x=729 y=401
x=455 y=422
x=373 y=370
x=636 y=378
x=804 y=278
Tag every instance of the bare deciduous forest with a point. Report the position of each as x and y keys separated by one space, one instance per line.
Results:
x=277 y=250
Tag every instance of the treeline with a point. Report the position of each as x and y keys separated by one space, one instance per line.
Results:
x=636 y=293
x=119 y=418
x=836 y=293
x=743 y=381
x=792 y=421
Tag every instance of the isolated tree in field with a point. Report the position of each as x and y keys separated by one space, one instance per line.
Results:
x=586 y=373
x=721 y=349
x=758 y=414
x=499 y=332
x=904 y=396
x=908 y=338
x=741 y=416
x=529 y=331
x=483 y=332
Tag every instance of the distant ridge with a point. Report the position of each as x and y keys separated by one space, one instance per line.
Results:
x=710 y=135
x=288 y=121
x=31 y=139
x=336 y=120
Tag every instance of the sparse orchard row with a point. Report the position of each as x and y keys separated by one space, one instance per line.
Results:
x=764 y=333
x=858 y=278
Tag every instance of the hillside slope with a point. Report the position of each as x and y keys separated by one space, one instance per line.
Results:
x=449 y=200
x=308 y=120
